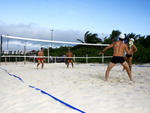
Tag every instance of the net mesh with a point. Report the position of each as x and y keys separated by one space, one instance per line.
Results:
x=19 y=49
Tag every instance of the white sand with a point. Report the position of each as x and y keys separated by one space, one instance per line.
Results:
x=83 y=87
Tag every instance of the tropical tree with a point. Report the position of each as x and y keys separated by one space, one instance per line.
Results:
x=90 y=38
x=144 y=41
x=114 y=35
x=147 y=41
x=131 y=35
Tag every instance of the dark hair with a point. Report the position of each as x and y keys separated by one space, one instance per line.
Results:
x=42 y=48
x=121 y=39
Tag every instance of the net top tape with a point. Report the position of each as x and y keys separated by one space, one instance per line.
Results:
x=52 y=41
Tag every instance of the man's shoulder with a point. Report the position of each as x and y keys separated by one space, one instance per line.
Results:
x=125 y=45
x=114 y=43
x=134 y=45
x=117 y=42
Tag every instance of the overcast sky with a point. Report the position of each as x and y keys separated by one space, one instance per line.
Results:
x=70 y=19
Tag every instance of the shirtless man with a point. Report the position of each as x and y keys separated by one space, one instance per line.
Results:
x=132 y=50
x=40 y=58
x=119 y=49
x=69 y=60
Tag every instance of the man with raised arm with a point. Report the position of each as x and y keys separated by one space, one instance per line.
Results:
x=132 y=50
x=118 y=51
x=40 y=58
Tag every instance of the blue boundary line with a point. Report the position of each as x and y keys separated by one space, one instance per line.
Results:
x=19 y=78
x=43 y=92
x=135 y=65
x=68 y=105
x=141 y=66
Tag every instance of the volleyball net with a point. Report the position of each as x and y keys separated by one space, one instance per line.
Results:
x=22 y=49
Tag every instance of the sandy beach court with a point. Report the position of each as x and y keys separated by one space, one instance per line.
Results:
x=82 y=87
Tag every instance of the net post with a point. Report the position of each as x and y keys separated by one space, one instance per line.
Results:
x=48 y=54
x=1 y=49
x=103 y=58
x=74 y=58
x=9 y=59
x=34 y=59
x=24 y=59
x=55 y=59
x=86 y=58
x=19 y=59
x=16 y=60
x=5 y=60
x=25 y=54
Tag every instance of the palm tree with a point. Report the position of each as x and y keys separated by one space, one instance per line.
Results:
x=131 y=35
x=90 y=38
x=114 y=35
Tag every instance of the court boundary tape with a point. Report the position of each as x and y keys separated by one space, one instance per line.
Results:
x=43 y=92
x=142 y=66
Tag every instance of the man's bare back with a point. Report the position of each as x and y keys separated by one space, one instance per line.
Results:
x=119 y=48
x=132 y=50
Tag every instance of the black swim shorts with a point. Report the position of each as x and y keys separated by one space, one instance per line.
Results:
x=69 y=59
x=117 y=59
x=127 y=55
